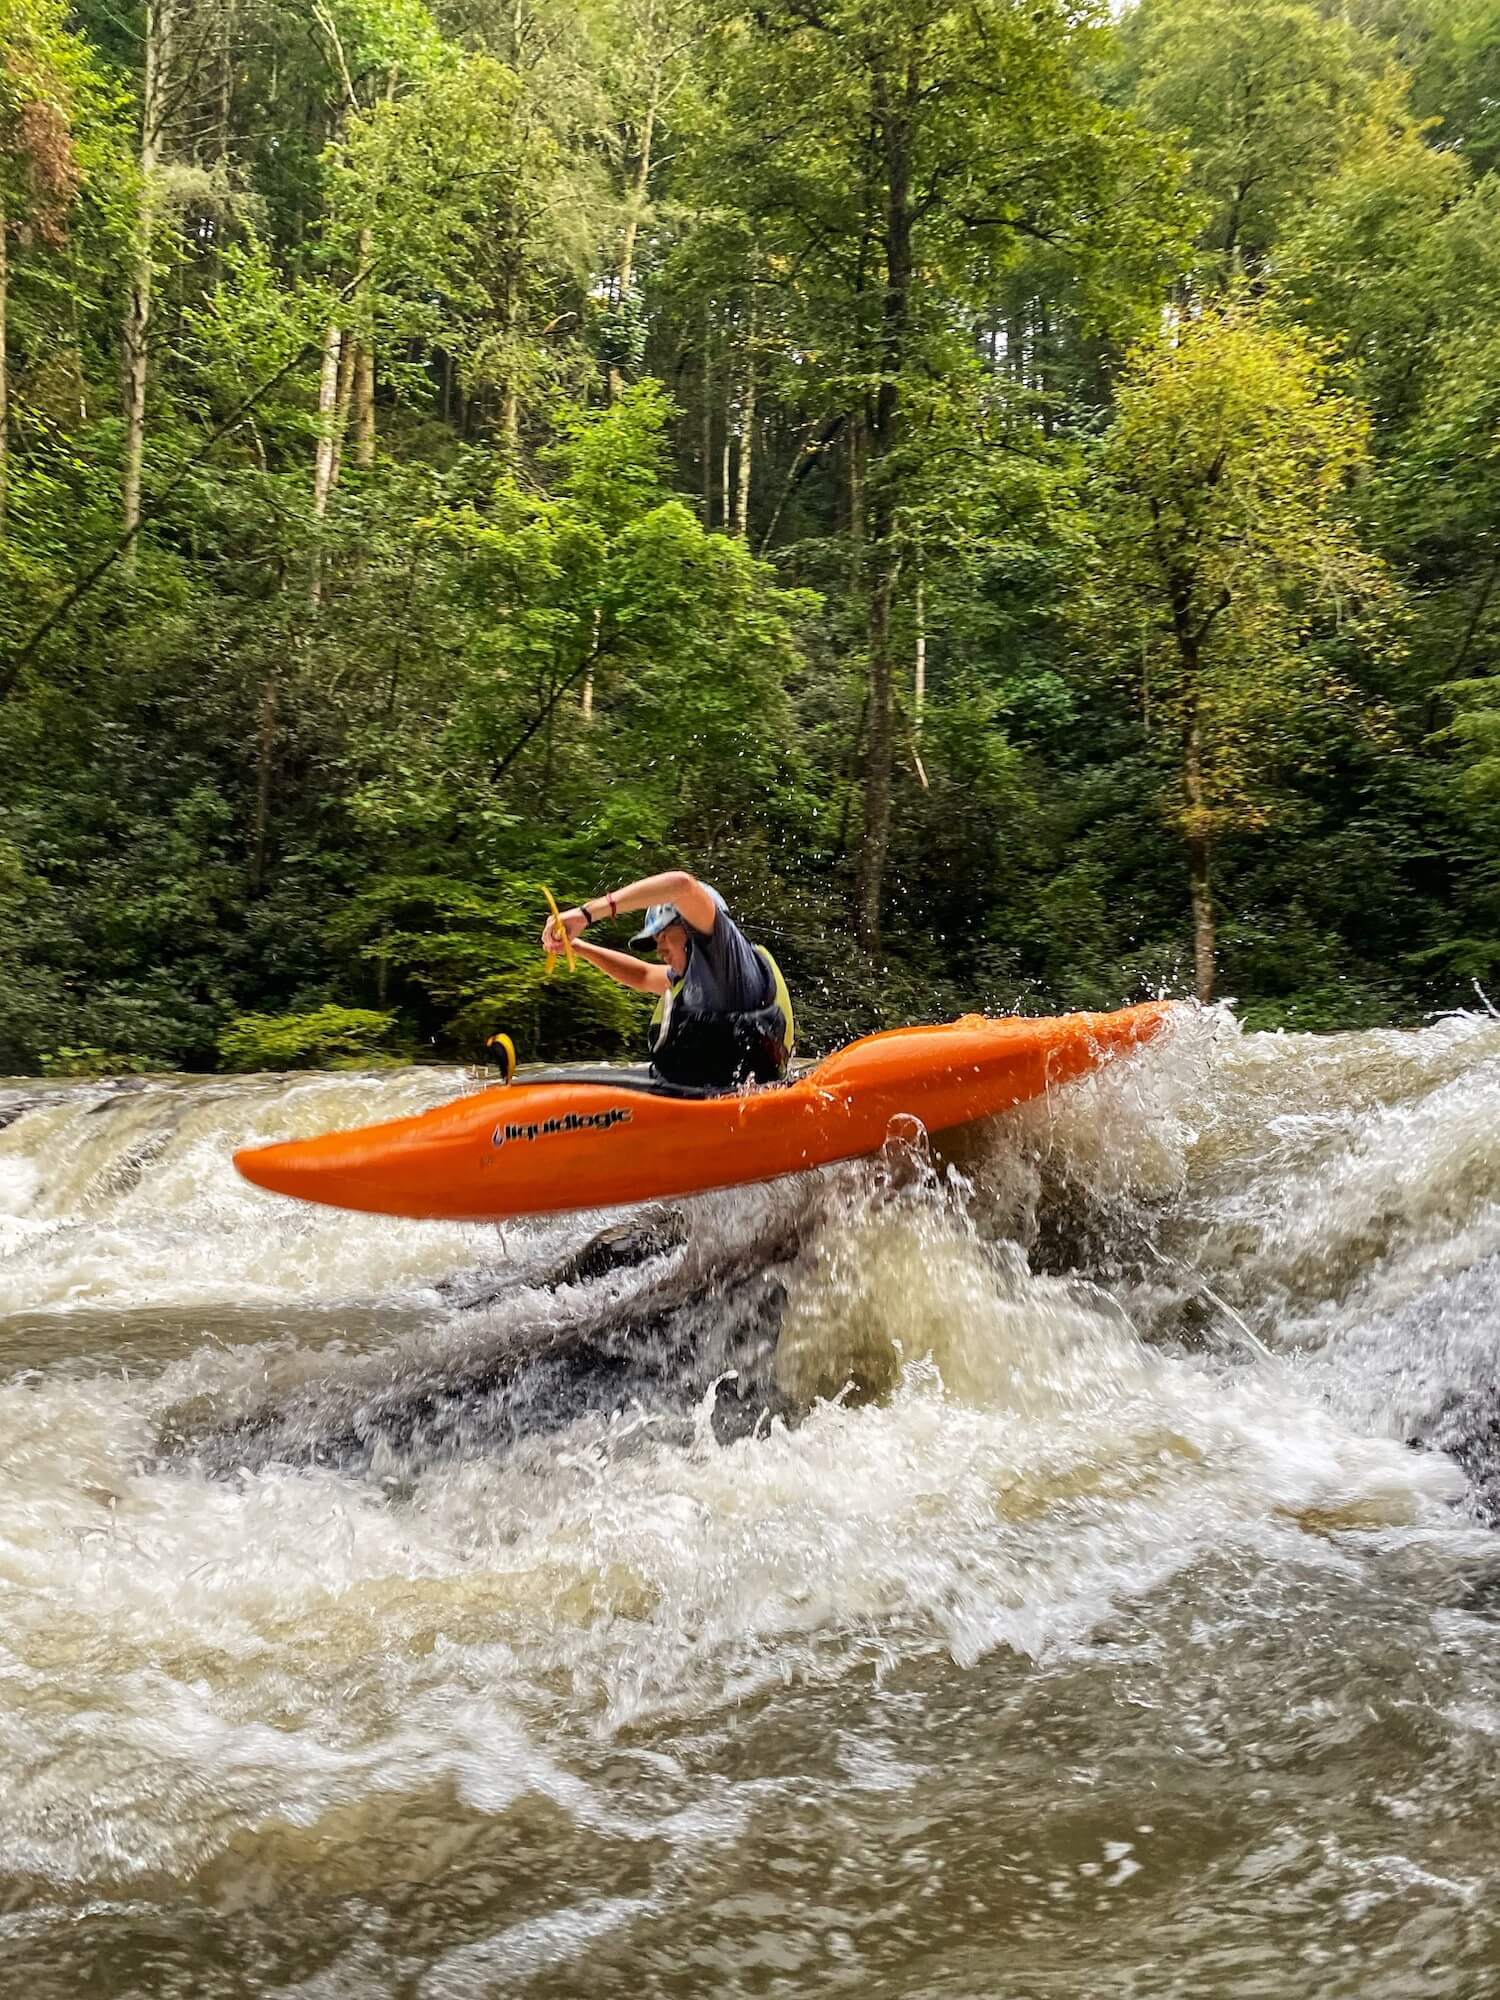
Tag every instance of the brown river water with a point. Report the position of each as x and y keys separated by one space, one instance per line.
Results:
x=1070 y=1573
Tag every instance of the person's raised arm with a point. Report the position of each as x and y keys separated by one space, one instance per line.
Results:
x=675 y=886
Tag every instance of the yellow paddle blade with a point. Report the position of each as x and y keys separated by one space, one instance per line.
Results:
x=507 y=1050
x=567 y=942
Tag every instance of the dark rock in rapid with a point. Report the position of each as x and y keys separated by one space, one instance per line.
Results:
x=1475 y=1445
x=117 y=1090
x=623 y=1248
x=1451 y=1401
x=661 y=1349
x=1468 y=1430
x=15 y=1104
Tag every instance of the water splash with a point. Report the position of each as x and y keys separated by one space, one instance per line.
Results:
x=993 y=1428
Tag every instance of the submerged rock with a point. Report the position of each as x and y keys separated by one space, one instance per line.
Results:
x=682 y=1337
x=1468 y=1431
x=624 y=1247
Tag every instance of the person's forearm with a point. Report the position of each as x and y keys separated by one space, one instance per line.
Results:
x=638 y=895
x=674 y=886
x=631 y=972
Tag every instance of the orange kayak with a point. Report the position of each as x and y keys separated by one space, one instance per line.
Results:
x=599 y=1139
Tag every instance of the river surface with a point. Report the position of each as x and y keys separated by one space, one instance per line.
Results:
x=1085 y=1587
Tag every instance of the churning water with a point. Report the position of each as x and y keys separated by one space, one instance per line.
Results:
x=1062 y=1566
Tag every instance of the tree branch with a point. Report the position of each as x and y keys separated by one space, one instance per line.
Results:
x=153 y=503
x=590 y=659
x=1210 y=617
x=802 y=464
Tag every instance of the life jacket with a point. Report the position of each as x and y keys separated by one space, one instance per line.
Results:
x=781 y=1002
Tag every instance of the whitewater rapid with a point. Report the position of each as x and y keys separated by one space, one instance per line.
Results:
x=1172 y=1384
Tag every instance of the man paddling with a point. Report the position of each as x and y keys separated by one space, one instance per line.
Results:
x=723 y=1015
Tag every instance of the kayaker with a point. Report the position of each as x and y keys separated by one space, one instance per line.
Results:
x=723 y=1016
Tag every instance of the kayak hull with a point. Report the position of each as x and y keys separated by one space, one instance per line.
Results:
x=535 y=1149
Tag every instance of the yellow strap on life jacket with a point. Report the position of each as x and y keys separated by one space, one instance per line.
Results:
x=659 y=1011
x=783 y=999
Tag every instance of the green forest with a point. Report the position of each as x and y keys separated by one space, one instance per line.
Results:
x=1008 y=492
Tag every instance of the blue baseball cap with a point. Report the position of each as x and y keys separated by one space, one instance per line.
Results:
x=661 y=916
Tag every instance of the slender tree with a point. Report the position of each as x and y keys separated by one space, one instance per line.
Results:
x=1227 y=553
x=161 y=20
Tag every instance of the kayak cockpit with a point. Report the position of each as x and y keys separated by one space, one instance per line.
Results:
x=639 y=1077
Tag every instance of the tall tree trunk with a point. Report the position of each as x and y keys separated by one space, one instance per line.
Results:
x=895 y=121
x=364 y=369
x=75 y=356
x=638 y=188
x=364 y=405
x=747 y=435
x=919 y=670
x=1204 y=939
x=328 y=405
x=323 y=467
x=726 y=512
x=4 y=377
x=856 y=464
x=138 y=295
x=858 y=458
x=1195 y=828
x=510 y=402
x=226 y=81
x=265 y=754
x=708 y=417
x=348 y=361
x=640 y=181
x=586 y=699
x=879 y=748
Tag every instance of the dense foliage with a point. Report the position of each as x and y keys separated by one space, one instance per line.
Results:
x=1010 y=494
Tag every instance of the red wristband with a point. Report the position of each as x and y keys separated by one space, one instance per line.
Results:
x=609 y=894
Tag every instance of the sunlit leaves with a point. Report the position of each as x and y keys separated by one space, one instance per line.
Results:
x=1268 y=94
x=1230 y=571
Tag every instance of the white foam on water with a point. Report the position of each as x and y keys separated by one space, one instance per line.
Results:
x=983 y=1458
x=1338 y=1194
x=132 y=1200
x=184 y=1659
